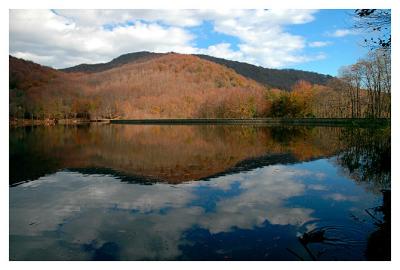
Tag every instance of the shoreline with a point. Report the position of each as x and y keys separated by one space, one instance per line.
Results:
x=356 y=122
x=271 y=121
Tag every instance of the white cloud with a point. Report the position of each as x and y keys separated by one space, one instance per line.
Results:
x=104 y=207
x=263 y=40
x=63 y=38
x=317 y=187
x=318 y=44
x=222 y=50
x=34 y=57
x=97 y=17
x=263 y=197
x=342 y=33
x=341 y=197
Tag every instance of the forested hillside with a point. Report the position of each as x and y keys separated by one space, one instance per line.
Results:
x=26 y=74
x=275 y=78
x=187 y=86
x=169 y=86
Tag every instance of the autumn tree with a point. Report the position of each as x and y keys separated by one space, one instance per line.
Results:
x=298 y=103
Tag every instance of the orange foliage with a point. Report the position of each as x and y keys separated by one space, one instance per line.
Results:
x=171 y=86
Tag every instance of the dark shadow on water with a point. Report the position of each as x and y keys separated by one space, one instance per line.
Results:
x=379 y=242
x=287 y=134
x=242 y=166
x=109 y=251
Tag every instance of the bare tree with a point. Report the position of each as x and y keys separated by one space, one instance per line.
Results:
x=377 y=80
x=351 y=76
x=369 y=77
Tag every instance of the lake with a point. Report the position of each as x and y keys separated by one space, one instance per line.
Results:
x=199 y=192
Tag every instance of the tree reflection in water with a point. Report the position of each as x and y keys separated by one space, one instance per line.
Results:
x=172 y=154
x=366 y=156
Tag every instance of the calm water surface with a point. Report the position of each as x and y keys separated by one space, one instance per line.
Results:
x=159 y=192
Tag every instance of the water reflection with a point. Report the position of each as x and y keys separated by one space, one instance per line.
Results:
x=366 y=156
x=171 y=154
x=257 y=195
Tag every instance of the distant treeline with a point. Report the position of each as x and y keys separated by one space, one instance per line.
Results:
x=283 y=79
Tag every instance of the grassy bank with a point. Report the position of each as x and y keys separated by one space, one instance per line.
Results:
x=45 y=122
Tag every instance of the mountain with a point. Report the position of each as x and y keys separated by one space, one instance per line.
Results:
x=166 y=86
x=275 y=78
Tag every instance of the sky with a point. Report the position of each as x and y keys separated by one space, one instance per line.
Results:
x=313 y=40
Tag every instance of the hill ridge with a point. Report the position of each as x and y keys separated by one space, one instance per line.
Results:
x=269 y=76
x=116 y=62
